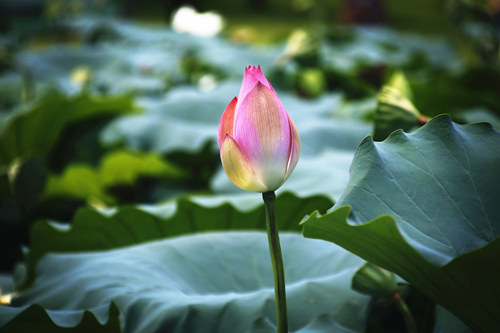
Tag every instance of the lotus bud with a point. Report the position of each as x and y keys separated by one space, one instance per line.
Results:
x=374 y=281
x=259 y=144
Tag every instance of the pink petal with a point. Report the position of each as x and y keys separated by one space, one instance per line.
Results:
x=250 y=78
x=237 y=168
x=262 y=130
x=294 y=148
x=226 y=121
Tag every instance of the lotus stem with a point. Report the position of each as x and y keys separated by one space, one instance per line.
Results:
x=277 y=261
x=411 y=326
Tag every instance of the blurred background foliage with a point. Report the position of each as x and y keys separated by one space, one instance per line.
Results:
x=109 y=103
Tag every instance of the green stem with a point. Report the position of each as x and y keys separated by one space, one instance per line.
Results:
x=277 y=261
x=411 y=326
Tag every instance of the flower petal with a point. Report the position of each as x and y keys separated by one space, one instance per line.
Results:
x=262 y=130
x=250 y=78
x=226 y=121
x=237 y=167
x=294 y=149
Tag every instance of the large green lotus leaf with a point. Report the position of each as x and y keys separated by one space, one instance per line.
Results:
x=448 y=323
x=91 y=230
x=34 y=318
x=35 y=130
x=466 y=286
x=119 y=167
x=425 y=205
x=208 y=282
x=440 y=183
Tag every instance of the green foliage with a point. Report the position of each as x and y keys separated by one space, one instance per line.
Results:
x=168 y=286
x=465 y=286
x=91 y=230
x=117 y=168
x=103 y=319
x=428 y=203
x=35 y=131
x=30 y=139
x=442 y=91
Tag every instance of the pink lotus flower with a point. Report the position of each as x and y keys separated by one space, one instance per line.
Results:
x=259 y=144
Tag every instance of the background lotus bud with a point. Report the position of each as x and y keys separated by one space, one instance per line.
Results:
x=259 y=144
x=374 y=281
